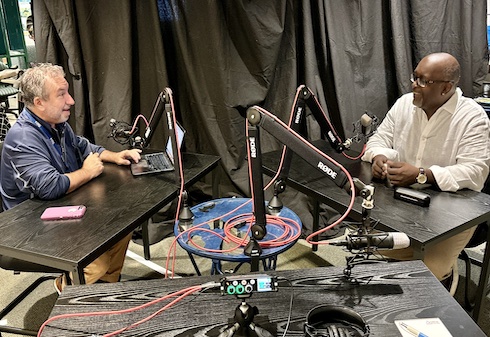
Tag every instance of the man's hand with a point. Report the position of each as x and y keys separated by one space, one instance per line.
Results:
x=92 y=166
x=379 y=167
x=124 y=157
x=401 y=174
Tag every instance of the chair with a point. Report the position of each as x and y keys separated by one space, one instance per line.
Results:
x=480 y=236
x=18 y=266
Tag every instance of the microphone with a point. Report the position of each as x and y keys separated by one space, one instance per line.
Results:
x=119 y=129
x=366 y=125
x=395 y=240
x=121 y=132
x=363 y=129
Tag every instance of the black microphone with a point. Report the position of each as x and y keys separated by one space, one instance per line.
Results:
x=394 y=240
x=119 y=129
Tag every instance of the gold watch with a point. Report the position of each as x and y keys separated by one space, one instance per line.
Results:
x=422 y=177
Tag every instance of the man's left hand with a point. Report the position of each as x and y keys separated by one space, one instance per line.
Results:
x=125 y=157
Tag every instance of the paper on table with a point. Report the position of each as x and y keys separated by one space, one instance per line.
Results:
x=430 y=327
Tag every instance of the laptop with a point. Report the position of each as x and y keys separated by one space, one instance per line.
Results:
x=162 y=161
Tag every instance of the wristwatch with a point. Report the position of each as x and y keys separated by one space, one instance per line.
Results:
x=421 y=178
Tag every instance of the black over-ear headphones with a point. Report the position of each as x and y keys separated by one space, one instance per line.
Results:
x=335 y=320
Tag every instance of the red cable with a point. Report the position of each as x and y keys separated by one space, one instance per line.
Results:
x=136 y=123
x=358 y=156
x=181 y=293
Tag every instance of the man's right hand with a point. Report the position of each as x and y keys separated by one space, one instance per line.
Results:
x=379 y=166
x=93 y=165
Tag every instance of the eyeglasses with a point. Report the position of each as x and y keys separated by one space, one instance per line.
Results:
x=422 y=82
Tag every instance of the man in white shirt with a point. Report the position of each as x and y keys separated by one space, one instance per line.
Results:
x=435 y=136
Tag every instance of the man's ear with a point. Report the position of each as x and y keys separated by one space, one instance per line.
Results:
x=448 y=86
x=38 y=103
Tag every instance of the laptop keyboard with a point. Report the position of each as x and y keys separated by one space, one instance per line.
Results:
x=158 y=161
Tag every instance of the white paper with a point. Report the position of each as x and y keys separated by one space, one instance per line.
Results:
x=431 y=327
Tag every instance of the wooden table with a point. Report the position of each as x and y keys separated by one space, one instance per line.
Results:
x=116 y=204
x=395 y=291
x=447 y=215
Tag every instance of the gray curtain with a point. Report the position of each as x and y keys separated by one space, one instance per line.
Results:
x=221 y=57
x=113 y=54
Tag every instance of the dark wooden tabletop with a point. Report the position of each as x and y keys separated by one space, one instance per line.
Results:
x=391 y=291
x=116 y=202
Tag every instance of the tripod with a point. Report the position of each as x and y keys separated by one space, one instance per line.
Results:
x=244 y=323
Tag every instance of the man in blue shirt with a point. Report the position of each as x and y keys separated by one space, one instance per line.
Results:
x=42 y=157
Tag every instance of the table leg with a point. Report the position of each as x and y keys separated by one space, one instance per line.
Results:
x=483 y=281
x=78 y=276
x=418 y=252
x=316 y=223
x=215 y=183
x=216 y=267
x=146 y=239
x=198 y=272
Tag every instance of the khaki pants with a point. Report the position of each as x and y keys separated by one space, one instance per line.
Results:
x=439 y=258
x=108 y=266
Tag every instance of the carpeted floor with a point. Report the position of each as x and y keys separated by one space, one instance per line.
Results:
x=37 y=307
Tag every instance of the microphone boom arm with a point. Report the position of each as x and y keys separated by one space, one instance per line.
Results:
x=259 y=117
x=256 y=119
x=298 y=145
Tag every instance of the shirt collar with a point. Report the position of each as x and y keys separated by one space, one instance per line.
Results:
x=450 y=105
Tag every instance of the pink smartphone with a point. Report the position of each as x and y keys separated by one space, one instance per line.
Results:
x=63 y=212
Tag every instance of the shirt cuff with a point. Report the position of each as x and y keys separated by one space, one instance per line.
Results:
x=373 y=152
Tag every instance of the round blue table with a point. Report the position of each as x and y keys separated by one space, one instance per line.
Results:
x=207 y=232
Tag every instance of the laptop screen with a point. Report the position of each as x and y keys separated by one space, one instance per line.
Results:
x=180 y=139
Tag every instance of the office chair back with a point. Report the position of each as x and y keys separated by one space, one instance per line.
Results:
x=17 y=266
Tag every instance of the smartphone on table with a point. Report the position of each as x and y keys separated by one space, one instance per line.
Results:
x=63 y=212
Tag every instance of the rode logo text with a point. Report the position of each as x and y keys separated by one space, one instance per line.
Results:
x=327 y=170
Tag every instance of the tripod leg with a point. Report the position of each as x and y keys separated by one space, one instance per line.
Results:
x=261 y=332
x=230 y=331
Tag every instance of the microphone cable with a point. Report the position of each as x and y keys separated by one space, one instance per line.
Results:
x=180 y=295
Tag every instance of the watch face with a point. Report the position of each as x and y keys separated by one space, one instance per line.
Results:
x=421 y=178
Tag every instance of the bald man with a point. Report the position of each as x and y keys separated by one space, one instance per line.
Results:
x=434 y=136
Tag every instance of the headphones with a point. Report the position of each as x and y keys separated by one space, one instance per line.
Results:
x=335 y=321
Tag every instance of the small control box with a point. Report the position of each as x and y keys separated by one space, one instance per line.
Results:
x=412 y=196
x=245 y=285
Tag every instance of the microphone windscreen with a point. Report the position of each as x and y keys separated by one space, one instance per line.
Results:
x=400 y=240
x=366 y=120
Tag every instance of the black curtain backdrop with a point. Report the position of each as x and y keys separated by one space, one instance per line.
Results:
x=221 y=57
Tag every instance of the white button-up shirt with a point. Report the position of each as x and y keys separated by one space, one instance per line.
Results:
x=454 y=143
